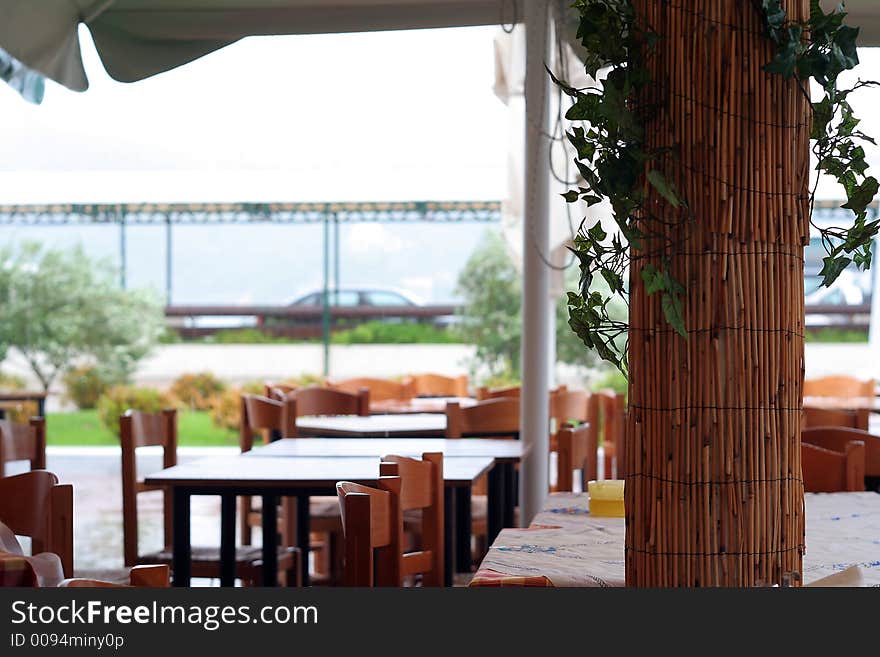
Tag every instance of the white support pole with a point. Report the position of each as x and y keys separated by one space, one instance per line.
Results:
x=874 y=325
x=537 y=310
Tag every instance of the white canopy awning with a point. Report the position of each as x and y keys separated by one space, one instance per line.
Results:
x=140 y=38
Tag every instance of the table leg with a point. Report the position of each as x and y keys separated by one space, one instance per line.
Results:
x=303 y=532
x=270 y=540
x=495 y=512
x=449 y=534
x=182 y=556
x=463 y=559
x=227 y=539
x=511 y=494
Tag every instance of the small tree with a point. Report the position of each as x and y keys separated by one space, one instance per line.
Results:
x=59 y=307
x=492 y=315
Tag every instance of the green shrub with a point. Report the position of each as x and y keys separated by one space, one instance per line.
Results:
x=379 y=332
x=503 y=380
x=195 y=391
x=119 y=399
x=21 y=411
x=246 y=336
x=838 y=335
x=226 y=406
x=85 y=385
x=11 y=382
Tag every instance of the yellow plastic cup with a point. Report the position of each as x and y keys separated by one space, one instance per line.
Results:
x=606 y=498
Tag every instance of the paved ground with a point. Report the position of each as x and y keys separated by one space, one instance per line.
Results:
x=95 y=475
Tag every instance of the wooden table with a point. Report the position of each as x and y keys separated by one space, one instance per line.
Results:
x=374 y=426
x=288 y=476
x=417 y=405
x=566 y=546
x=871 y=404
x=502 y=478
x=23 y=395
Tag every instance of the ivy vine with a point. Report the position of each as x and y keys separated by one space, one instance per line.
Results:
x=614 y=162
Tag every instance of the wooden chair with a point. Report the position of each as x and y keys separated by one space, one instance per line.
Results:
x=576 y=450
x=379 y=389
x=493 y=418
x=837 y=438
x=278 y=417
x=373 y=527
x=324 y=401
x=832 y=417
x=277 y=390
x=137 y=429
x=35 y=505
x=373 y=524
x=23 y=442
x=154 y=576
x=490 y=418
x=829 y=471
x=838 y=386
x=421 y=502
x=568 y=406
x=484 y=393
x=437 y=385
x=268 y=417
x=612 y=420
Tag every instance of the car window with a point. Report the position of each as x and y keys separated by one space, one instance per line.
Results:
x=347 y=298
x=386 y=299
x=310 y=300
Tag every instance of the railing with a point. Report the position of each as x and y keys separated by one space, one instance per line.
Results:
x=305 y=321
x=855 y=318
x=293 y=321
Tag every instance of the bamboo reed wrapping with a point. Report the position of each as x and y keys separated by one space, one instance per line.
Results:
x=714 y=494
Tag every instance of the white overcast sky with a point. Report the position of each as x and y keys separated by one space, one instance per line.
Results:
x=374 y=116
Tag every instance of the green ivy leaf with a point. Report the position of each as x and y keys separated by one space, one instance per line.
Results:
x=832 y=268
x=665 y=189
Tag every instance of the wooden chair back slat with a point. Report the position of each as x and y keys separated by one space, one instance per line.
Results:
x=35 y=505
x=372 y=524
x=437 y=385
x=837 y=438
x=379 y=389
x=422 y=488
x=417 y=481
x=570 y=406
x=577 y=450
x=23 y=442
x=493 y=417
x=265 y=415
x=612 y=412
x=829 y=471
x=278 y=390
x=139 y=429
x=838 y=386
x=832 y=417
x=324 y=401
x=484 y=393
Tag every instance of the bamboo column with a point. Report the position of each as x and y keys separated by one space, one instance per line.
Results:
x=714 y=493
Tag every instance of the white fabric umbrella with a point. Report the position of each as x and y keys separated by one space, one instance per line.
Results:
x=564 y=218
x=139 y=38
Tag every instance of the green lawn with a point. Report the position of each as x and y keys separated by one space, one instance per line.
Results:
x=83 y=428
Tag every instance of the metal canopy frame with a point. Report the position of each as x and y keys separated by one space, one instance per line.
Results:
x=244 y=213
